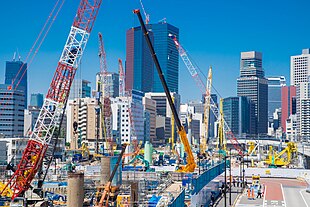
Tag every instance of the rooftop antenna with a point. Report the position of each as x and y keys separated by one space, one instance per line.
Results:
x=14 y=56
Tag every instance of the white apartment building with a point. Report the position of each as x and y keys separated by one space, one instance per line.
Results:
x=291 y=126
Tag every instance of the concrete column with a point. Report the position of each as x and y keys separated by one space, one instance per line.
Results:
x=75 y=190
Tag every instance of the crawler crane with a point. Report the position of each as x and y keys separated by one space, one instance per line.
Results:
x=38 y=153
x=191 y=165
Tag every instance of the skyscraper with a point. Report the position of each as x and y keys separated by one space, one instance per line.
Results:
x=238 y=112
x=11 y=111
x=300 y=67
x=167 y=54
x=140 y=71
x=16 y=74
x=253 y=84
x=275 y=85
x=139 y=64
x=288 y=104
x=80 y=89
x=36 y=100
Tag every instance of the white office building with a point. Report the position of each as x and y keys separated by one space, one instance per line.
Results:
x=300 y=67
x=303 y=110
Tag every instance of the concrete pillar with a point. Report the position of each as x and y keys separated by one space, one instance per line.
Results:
x=75 y=190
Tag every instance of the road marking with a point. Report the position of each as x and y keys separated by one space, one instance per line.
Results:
x=303 y=198
x=264 y=199
x=283 y=195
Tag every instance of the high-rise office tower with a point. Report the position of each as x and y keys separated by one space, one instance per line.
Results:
x=80 y=89
x=238 y=112
x=300 y=67
x=275 y=85
x=36 y=100
x=12 y=105
x=139 y=64
x=140 y=71
x=16 y=74
x=168 y=55
x=253 y=84
x=288 y=104
x=113 y=84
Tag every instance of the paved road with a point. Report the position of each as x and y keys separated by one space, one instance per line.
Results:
x=235 y=191
x=279 y=193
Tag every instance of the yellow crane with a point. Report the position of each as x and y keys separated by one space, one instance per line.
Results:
x=191 y=164
x=204 y=140
x=278 y=159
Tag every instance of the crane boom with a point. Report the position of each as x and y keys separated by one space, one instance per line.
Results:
x=193 y=71
x=106 y=111
x=207 y=111
x=190 y=166
x=147 y=16
x=121 y=78
x=55 y=101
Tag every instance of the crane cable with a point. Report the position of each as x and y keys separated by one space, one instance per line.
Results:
x=35 y=53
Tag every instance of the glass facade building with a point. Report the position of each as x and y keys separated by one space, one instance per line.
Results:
x=80 y=89
x=16 y=74
x=254 y=85
x=140 y=71
x=36 y=100
x=275 y=85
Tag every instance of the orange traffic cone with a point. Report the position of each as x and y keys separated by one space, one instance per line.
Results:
x=249 y=193
x=253 y=193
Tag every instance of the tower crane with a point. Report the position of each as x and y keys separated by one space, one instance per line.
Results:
x=205 y=137
x=191 y=165
x=40 y=148
x=193 y=71
x=106 y=111
x=121 y=78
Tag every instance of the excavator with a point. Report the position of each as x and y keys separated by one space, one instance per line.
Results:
x=275 y=159
x=191 y=164
x=105 y=194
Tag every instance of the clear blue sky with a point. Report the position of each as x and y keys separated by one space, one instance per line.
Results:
x=213 y=32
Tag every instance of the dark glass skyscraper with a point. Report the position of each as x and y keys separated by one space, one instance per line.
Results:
x=167 y=54
x=253 y=84
x=16 y=74
x=140 y=72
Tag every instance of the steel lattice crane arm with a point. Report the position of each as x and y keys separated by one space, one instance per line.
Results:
x=55 y=101
x=193 y=71
x=121 y=78
x=191 y=165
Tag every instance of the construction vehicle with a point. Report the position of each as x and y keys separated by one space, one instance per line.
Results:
x=193 y=70
x=39 y=152
x=104 y=200
x=144 y=162
x=191 y=165
x=277 y=159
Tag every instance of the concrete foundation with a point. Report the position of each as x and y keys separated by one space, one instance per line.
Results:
x=75 y=196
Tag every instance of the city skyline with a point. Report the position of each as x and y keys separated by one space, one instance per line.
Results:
x=213 y=39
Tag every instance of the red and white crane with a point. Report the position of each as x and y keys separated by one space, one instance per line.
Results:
x=40 y=147
x=106 y=111
x=193 y=71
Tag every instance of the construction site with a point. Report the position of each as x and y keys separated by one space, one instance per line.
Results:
x=184 y=172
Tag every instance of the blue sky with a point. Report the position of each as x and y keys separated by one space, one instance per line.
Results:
x=213 y=32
